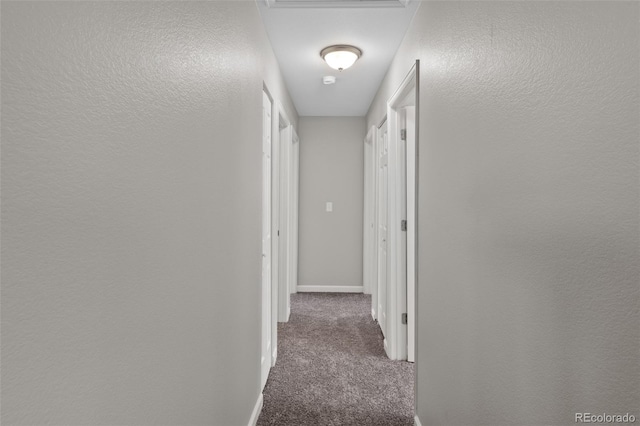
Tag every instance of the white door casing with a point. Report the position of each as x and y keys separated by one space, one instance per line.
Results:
x=265 y=361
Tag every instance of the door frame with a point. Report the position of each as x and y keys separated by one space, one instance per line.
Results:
x=397 y=332
x=279 y=120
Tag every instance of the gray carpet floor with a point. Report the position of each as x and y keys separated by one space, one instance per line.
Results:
x=332 y=369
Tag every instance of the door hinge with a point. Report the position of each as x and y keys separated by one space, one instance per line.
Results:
x=403 y=134
x=404 y=318
x=403 y=225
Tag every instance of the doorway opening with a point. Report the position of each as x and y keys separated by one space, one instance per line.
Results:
x=289 y=145
x=391 y=221
x=279 y=224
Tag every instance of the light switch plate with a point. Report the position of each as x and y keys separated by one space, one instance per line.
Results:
x=329 y=206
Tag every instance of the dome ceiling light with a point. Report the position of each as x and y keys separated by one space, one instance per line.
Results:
x=340 y=57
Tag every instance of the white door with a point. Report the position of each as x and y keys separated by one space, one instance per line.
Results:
x=293 y=231
x=410 y=126
x=369 y=272
x=366 y=232
x=383 y=230
x=265 y=361
x=401 y=323
x=285 y=276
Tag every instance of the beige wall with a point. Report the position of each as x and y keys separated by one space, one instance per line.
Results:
x=528 y=200
x=331 y=169
x=131 y=193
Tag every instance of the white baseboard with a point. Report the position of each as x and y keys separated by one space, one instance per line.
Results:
x=256 y=411
x=416 y=421
x=373 y=314
x=330 y=289
x=386 y=348
x=274 y=356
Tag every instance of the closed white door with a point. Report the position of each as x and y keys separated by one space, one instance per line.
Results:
x=285 y=255
x=265 y=361
x=366 y=231
x=294 y=187
x=370 y=243
x=383 y=231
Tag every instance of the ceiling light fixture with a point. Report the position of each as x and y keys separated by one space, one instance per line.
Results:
x=340 y=57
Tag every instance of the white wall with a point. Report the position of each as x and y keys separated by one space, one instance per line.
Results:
x=131 y=168
x=528 y=200
x=331 y=169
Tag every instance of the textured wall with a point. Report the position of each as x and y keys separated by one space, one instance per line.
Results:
x=331 y=169
x=528 y=232
x=131 y=152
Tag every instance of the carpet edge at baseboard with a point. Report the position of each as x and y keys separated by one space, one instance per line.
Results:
x=330 y=289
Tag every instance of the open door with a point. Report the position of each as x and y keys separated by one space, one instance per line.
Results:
x=411 y=238
x=402 y=224
x=369 y=263
x=265 y=361
x=383 y=226
x=289 y=184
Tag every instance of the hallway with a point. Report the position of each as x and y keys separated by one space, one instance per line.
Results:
x=332 y=369
x=172 y=171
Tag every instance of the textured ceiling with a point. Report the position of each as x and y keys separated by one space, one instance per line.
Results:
x=297 y=35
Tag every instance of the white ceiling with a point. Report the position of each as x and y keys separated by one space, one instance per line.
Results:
x=298 y=30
